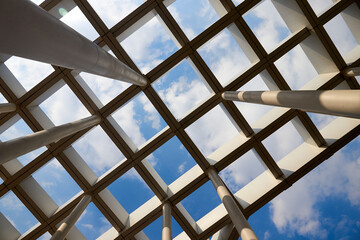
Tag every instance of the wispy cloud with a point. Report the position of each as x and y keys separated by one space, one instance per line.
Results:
x=28 y=72
x=112 y=11
x=337 y=177
x=208 y=134
x=149 y=45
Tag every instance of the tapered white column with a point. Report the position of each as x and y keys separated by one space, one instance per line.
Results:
x=167 y=228
x=22 y=145
x=344 y=103
x=352 y=72
x=70 y=221
x=28 y=31
x=235 y=214
x=7 y=107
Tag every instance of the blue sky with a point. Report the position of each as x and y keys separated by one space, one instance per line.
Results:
x=325 y=204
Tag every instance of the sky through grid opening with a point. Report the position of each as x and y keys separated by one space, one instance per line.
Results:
x=154 y=142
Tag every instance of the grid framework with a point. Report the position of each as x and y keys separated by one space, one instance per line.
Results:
x=307 y=30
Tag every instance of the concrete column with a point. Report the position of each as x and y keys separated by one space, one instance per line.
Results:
x=235 y=214
x=344 y=103
x=70 y=221
x=28 y=31
x=22 y=145
x=7 y=107
x=352 y=72
x=167 y=228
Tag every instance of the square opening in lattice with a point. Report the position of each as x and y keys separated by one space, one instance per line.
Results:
x=242 y=171
x=195 y=19
x=16 y=212
x=320 y=6
x=45 y=236
x=92 y=222
x=57 y=182
x=105 y=89
x=139 y=119
x=267 y=25
x=224 y=57
x=78 y=21
x=181 y=89
x=202 y=201
x=212 y=130
x=28 y=72
x=237 y=2
x=251 y=111
x=296 y=68
x=150 y=44
x=63 y=106
x=283 y=141
x=171 y=160
x=154 y=229
x=321 y=120
x=112 y=11
x=2 y=99
x=18 y=129
x=98 y=150
x=131 y=190
x=344 y=31
x=38 y=2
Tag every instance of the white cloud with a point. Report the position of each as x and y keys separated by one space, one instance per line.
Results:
x=63 y=107
x=267 y=235
x=149 y=45
x=271 y=28
x=320 y=5
x=151 y=114
x=126 y=119
x=211 y=130
x=88 y=226
x=190 y=33
x=340 y=34
x=112 y=11
x=105 y=89
x=296 y=68
x=181 y=167
x=224 y=57
x=283 y=141
x=11 y=202
x=295 y=210
x=98 y=150
x=242 y=171
x=182 y=95
x=77 y=21
x=28 y=72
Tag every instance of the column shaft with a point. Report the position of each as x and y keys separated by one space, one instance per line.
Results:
x=235 y=214
x=70 y=221
x=7 y=107
x=28 y=31
x=344 y=103
x=167 y=227
x=22 y=145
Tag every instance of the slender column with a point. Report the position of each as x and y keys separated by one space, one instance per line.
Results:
x=344 y=103
x=235 y=214
x=167 y=228
x=28 y=31
x=352 y=72
x=7 y=107
x=70 y=221
x=22 y=145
